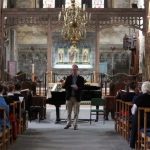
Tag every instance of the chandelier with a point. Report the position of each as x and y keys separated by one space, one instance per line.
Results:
x=74 y=20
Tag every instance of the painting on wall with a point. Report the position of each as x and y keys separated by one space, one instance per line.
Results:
x=85 y=55
x=48 y=3
x=73 y=55
x=97 y=3
x=77 y=3
x=60 y=55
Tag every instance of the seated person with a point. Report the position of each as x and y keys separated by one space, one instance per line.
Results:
x=6 y=98
x=15 y=96
x=10 y=94
x=128 y=97
x=120 y=94
x=141 y=101
x=17 y=92
x=138 y=94
x=3 y=104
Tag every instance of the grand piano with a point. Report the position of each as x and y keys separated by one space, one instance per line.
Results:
x=58 y=98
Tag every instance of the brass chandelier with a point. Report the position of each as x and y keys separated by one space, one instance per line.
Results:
x=74 y=20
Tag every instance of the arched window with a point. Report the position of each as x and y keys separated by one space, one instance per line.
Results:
x=97 y=3
x=48 y=3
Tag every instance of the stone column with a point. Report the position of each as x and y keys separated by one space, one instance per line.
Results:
x=109 y=3
x=147 y=41
x=49 y=50
x=97 y=50
x=1 y=44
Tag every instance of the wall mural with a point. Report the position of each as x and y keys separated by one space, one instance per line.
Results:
x=73 y=55
x=85 y=56
x=60 y=55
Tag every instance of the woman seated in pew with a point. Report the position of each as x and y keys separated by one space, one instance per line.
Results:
x=141 y=101
x=128 y=97
x=8 y=100
x=16 y=96
x=3 y=104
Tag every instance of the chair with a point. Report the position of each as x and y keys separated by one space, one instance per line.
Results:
x=3 y=133
x=36 y=109
x=110 y=106
x=97 y=102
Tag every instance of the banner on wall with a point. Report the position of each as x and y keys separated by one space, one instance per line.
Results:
x=103 y=67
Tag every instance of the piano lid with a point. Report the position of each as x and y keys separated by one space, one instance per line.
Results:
x=91 y=88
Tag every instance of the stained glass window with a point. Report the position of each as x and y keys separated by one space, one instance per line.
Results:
x=97 y=3
x=77 y=2
x=48 y=3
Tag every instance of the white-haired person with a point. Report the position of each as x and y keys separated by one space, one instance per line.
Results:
x=141 y=101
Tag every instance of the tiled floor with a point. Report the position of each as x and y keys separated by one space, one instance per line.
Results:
x=50 y=136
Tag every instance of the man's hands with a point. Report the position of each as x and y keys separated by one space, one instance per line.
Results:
x=76 y=88
x=63 y=83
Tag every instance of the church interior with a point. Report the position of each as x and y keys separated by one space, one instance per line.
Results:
x=43 y=43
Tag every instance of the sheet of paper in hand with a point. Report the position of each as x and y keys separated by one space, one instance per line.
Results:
x=74 y=85
x=21 y=98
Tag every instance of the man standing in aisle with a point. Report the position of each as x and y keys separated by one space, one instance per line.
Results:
x=73 y=85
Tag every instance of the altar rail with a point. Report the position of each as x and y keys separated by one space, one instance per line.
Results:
x=106 y=81
x=118 y=81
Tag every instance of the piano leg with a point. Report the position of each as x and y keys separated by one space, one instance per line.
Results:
x=97 y=107
x=57 y=114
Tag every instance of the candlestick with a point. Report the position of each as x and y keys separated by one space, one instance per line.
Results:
x=32 y=68
x=83 y=6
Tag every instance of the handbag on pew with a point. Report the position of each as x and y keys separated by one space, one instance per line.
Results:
x=15 y=123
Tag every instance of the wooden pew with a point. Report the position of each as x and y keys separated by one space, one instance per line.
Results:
x=3 y=140
x=127 y=122
x=12 y=106
x=117 y=115
x=143 y=139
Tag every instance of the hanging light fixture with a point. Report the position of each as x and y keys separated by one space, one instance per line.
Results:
x=74 y=20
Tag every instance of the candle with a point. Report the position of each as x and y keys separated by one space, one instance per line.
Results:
x=90 y=16
x=32 y=68
x=83 y=6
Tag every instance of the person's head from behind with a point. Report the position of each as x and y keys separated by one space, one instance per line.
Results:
x=18 y=87
x=146 y=87
x=5 y=90
x=75 y=70
x=132 y=86
x=11 y=88
x=1 y=89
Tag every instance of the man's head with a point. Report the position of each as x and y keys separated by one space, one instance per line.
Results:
x=1 y=89
x=74 y=69
x=146 y=87
x=11 y=88
x=132 y=86
x=18 y=87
